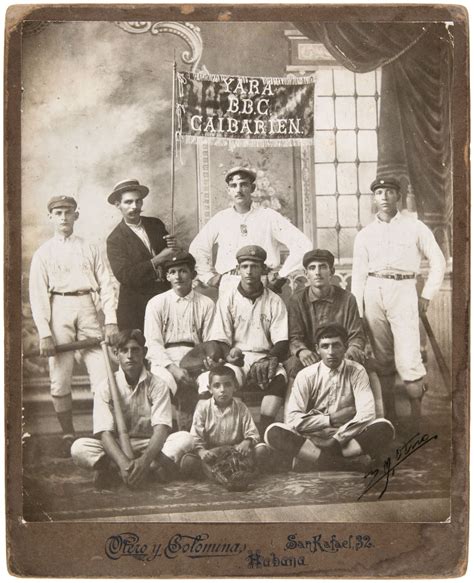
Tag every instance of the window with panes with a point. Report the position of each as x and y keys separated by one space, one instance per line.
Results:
x=347 y=112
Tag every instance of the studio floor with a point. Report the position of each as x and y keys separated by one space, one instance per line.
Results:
x=414 y=488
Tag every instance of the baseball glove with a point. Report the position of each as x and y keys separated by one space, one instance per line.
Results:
x=193 y=361
x=233 y=470
x=262 y=371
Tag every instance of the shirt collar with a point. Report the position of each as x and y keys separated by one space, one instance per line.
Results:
x=138 y=226
x=229 y=406
x=176 y=298
x=397 y=217
x=141 y=379
x=328 y=370
x=63 y=239
x=243 y=214
x=328 y=298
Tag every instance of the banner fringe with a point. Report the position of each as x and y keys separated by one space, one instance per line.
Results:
x=217 y=78
x=248 y=142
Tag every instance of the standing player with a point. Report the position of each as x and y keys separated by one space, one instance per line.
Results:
x=136 y=249
x=65 y=272
x=387 y=257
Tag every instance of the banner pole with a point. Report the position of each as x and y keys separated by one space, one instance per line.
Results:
x=173 y=143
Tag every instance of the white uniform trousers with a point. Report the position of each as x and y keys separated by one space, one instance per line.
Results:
x=74 y=318
x=176 y=353
x=87 y=451
x=391 y=313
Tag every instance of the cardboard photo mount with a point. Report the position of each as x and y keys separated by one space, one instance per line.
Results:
x=226 y=549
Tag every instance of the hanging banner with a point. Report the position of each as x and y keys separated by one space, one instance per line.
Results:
x=244 y=111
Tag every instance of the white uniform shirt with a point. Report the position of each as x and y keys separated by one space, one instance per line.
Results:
x=143 y=407
x=231 y=230
x=251 y=326
x=319 y=392
x=171 y=318
x=68 y=265
x=397 y=246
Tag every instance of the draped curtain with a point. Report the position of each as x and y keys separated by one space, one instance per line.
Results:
x=414 y=134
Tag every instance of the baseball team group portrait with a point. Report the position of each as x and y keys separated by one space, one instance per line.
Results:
x=237 y=271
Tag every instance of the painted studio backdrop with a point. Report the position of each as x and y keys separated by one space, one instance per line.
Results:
x=97 y=102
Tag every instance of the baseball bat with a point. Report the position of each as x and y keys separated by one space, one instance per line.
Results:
x=124 y=439
x=78 y=345
x=437 y=351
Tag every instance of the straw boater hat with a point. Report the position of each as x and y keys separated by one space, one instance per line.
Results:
x=131 y=185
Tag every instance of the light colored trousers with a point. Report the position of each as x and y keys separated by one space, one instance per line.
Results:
x=176 y=353
x=87 y=451
x=391 y=313
x=74 y=318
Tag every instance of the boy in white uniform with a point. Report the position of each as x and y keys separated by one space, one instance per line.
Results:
x=387 y=257
x=65 y=272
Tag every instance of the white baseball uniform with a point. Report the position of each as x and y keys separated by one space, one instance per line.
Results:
x=384 y=252
x=73 y=267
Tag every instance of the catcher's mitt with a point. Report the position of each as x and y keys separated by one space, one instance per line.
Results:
x=262 y=371
x=233 y=470
x=193 y=361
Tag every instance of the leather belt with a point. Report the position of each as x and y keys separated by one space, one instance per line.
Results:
x=397 y=276
x=173 y=344
x=76 y=293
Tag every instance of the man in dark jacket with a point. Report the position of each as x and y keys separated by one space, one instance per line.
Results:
x=136 y=249
x=317 y=305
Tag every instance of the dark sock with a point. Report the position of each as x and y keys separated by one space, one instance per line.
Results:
x=264 y=422
x=65 y=420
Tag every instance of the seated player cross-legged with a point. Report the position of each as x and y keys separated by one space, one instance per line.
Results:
x=223 y=428
x=331 y=411
x=146 y=407
x=251 y=321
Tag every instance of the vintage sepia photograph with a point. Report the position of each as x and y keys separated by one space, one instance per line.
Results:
x=232 y=286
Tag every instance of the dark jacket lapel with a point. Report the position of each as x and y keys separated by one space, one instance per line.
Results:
x=135 y=240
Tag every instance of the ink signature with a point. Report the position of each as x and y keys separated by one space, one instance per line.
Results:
x=375 y=476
